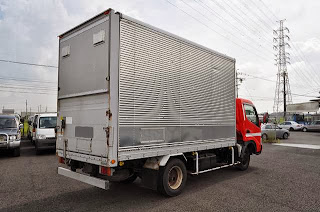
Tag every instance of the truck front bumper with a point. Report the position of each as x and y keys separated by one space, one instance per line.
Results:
x=100 y=183
x=48 y=143
x=10 y=144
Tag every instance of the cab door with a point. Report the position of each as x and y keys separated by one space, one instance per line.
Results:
x=252 y=124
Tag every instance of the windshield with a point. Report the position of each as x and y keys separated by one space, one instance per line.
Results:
x=48 y=122
x=8 y=123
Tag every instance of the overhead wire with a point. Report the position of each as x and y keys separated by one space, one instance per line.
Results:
x=306 y=61
x=213 y=29
x=208 y=8
x=30 y=64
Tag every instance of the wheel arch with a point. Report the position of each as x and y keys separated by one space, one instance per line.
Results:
x=164 y=159
x=251 y=145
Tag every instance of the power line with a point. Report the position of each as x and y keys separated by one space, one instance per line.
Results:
x=26 y=80
x=304 y=95
x=26 y=87
x=32 y=92
x=260 y=57
x=30 y=64
x=306 y=61
x=233 y=25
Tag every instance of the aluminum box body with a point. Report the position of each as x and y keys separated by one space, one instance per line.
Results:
x=165 y=95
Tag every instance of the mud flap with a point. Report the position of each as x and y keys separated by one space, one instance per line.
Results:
x=149 y=178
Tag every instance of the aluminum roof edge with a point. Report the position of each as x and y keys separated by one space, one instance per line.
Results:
x=87 y=21
x=175 y=36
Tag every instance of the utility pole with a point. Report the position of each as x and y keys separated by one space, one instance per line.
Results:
x=238 y=81
x=26 y=108
x=282 y=92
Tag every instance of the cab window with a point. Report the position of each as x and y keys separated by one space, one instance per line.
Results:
x=251 y=114
x=48 y=122
x=268 y=127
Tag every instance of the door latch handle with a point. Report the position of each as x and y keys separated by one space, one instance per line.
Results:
x=248 y=131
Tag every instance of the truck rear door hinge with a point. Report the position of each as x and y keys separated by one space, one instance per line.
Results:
x=107 y=131
x=109 y=114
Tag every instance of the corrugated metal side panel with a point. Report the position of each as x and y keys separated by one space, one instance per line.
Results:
x=168 y=82
x=173 y=95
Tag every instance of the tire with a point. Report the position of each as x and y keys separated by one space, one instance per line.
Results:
x=264 y=137
x=304 y=129
x=172 y=178
x=244 y=161
x=16 y=152
x=291 y=129
x=37 y=149
x=285 y=135
x=130 y=180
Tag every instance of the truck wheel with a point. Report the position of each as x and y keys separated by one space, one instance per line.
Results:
x=130 y=180
x=172 y=178
x=16 y=152
x=244 y=161
x=285 y=135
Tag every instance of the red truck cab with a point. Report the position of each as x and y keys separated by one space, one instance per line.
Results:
x=248 y=126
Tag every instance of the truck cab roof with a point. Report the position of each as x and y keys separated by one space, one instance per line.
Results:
x=47 y=115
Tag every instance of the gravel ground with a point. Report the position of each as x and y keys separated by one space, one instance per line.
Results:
x=280 y=179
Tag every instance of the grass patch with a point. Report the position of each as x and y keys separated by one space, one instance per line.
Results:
x=269 y=140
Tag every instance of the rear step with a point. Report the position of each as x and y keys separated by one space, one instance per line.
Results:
x=104 y=184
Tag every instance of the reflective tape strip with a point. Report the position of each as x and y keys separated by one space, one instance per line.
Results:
x=253 y=134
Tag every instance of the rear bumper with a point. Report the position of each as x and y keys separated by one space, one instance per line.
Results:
x=100 y=183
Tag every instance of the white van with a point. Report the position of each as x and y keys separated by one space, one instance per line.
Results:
x=44 y=135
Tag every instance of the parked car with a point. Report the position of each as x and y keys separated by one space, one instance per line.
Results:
x=10 y=136
x=44 y=131
x=291 y=125
x=269 y=130
x=314 y=126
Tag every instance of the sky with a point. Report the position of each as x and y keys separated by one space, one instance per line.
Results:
x=242 y=29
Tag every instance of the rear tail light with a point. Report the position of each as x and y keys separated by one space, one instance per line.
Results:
x=61 y=159
x=105 y=170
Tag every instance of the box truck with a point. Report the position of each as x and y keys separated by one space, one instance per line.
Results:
x=137 y=101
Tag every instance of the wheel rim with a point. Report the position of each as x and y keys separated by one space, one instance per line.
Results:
x=264 y=137
x=285 y=135
x=304 y=129
x=175 y=177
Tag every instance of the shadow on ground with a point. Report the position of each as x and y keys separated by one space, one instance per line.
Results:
x=122 y=197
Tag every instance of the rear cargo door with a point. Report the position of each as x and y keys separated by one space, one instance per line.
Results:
x=83 y=99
